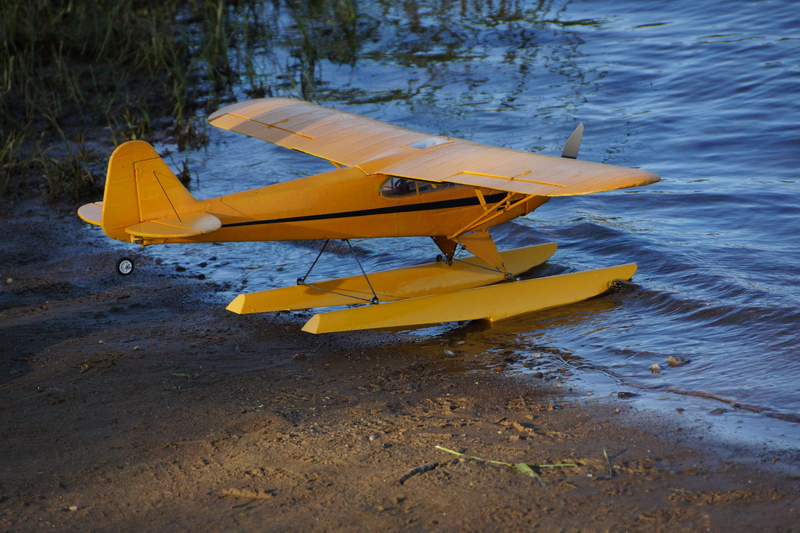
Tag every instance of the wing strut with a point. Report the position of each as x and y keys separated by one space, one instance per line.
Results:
x=491 y=213
x=482 y=245
x=302 y=281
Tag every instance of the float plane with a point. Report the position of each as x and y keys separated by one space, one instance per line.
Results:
x=387 y=181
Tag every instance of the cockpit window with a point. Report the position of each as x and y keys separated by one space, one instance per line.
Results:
x=395 y=187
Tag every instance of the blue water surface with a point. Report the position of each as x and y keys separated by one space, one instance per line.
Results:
x=703 y=93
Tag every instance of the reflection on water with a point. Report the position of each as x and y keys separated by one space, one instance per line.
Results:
x=702 y=93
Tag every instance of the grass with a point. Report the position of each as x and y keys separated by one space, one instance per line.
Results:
x=72 y=71
x=79 y=65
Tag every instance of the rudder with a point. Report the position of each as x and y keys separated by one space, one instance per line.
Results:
x=140 y=187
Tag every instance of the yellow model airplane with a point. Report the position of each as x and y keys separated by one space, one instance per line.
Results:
x=388 y=182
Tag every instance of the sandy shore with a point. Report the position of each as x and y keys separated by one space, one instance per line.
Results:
x=139 y=404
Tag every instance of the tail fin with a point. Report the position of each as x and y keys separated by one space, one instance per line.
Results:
x=140 y=187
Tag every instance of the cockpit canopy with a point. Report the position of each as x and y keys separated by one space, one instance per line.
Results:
x=396 y=187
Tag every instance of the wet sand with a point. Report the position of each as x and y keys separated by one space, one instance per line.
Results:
x=139 y=404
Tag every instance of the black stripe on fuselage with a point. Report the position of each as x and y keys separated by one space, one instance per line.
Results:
x=444 y=204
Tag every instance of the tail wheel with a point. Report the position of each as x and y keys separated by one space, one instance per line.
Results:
x=125 y=266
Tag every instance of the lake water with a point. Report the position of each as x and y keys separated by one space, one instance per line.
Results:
x=706 y=94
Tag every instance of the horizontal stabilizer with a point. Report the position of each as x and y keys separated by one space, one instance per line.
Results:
x=91 y=213
x=171 y=227
x=494 y=302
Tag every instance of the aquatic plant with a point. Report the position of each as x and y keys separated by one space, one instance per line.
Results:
x=66 y=66
x=144 y=69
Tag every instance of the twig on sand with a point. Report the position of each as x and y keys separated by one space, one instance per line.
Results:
x=610 y=458
x=608 y=461
x=525 y=468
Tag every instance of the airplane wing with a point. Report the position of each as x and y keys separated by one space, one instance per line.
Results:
x=347 y=139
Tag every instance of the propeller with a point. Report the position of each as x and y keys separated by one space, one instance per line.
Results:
x=573 y=144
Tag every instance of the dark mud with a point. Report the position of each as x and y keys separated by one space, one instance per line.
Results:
x=139 y=404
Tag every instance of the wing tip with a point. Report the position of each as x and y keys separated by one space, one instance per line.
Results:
x=232 y=108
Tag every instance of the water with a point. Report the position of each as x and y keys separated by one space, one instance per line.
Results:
x=703 y=93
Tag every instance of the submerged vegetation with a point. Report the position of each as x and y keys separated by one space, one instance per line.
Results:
x=136 y=69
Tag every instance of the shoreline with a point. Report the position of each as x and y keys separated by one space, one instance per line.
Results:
x=131 y=403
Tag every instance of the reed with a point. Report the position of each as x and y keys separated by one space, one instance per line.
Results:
x=71 y=68
x=68 y=66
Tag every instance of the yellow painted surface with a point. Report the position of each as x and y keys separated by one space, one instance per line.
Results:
x=91 y=213
x=145 y=203
x=494 y=302
x=170 y=227
x=353 y=140
x=420 y=280
x=367 y=196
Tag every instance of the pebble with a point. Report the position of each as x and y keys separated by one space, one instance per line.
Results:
x=449 y=353
x=299 y=357
x=677 y=360
x=9 y=281
x=655 y=368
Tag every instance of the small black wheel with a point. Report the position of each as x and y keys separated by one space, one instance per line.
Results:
x=125 y=266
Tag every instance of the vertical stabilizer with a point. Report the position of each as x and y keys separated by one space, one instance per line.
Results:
x=140 y=187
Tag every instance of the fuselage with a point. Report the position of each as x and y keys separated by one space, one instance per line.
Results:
x=346 y=203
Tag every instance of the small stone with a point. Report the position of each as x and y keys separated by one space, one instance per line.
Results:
x=73 y=508
x=499 y=368
x=101 y=342
x=9 y=281
x=373 y=437
x=717 y=411
x=655 y=368
x=137 y=348
x=677 y=360
x=625 y=395
x=299 y=357
x=180 y=269
x=449 y=353
x=537 y=356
